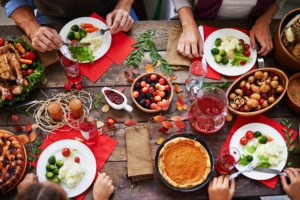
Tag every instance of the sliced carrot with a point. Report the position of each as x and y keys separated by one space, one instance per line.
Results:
x=86 y=25
x=32 y=136
x=92 y=29
x=20 y=48
x=26 y=61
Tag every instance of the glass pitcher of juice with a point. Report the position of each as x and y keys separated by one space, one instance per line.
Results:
x=208 y=109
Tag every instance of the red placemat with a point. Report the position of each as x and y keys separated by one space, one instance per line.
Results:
x=121 y=46
x=241 y=121
x=102 y=150
x=211 y=73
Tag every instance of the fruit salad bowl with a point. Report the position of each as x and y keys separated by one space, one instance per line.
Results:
x=150 y=90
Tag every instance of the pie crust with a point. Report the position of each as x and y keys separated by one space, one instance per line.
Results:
x=12 y=161
x=184 y=163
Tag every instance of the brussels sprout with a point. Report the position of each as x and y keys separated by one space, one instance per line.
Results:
x=77 y=36
x=49 y=175
x=52 y=160
x=75 y=27
x=56 y=180
x=71 y=35
x=249 y=158
x=257 y=134
x=225 y=61
x=83 y=33
x=24 y=66
x=263 y=139
x=218 y=58
x=50 y=168
x=218 y=42
x=222 y=53
x=56 y=171
x=59 y=163
x=214 y=51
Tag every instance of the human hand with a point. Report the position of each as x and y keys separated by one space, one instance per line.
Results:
x=220 y=189
x=29 y=179
x=292 y=189
x=119 y=20
x=190 y=43
x=103 y=187
x=261 y=32
x=45 y=39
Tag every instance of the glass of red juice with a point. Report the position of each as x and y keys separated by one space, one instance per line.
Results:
x=208 y=109
x=88 y=129
x=229 y=157
x=71 y=66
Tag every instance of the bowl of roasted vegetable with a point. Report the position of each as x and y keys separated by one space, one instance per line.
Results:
x=287 y=41
x=20 y=71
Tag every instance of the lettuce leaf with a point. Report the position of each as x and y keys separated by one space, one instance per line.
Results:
x=244 y=160
x=239 y=57
x=264 y=161
x=83 y=53
x=250 y=149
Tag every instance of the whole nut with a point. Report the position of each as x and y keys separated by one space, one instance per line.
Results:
x=279 y=89
x=254 y=88
x=271 y=99
x=252 y=103
x=247 y=108
x=264 y=104
x=239 y=92
x=258 y=107
x=228 y=117
x=274 y=84
x=232 y=96
x=266 y=75
x=233 y=106
x=258 y=75
x=275 y=78
x=251 y=79
x=248 y=86
x=255 y=96
x=264 y=88
x=242 y=83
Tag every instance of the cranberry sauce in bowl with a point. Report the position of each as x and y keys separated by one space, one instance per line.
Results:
x=114 y=97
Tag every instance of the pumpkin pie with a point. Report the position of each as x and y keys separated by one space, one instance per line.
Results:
x=184 y=163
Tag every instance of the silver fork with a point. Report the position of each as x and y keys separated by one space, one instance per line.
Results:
x=99 y=32
x=248 y=168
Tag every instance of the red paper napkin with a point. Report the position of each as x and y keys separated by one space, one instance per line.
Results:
x=102 y=150
x=241 y=121
x=121 y=46
x=211 y=73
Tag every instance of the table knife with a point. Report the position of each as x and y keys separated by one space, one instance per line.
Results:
x=271 y=171
x=76 y=44
x=24 y=104
x=201 y=30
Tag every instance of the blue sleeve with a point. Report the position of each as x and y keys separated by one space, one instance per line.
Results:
x=12 y=5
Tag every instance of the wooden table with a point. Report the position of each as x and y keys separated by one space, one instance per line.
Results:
x=116 y=164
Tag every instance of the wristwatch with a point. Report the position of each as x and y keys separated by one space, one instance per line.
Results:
x=3 y=2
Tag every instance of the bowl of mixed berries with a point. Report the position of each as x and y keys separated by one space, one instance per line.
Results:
x=150 y=91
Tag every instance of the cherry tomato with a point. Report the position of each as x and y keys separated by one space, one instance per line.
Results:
x=246 y=46
x=23 y=72
x=9 y=97
x=249 y=135
x=66 y=152
x=244 y=141
x=243 y=62
x=247 y=53
x=242 y=41
x=29 y=71
x=77 y=159
x=1 y=41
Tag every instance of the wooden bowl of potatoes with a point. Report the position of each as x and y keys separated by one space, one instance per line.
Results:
x=257 y=91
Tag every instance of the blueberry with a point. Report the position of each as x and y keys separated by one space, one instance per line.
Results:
x=142 y=102
x=148 y=81
x=152 y=85
x=139 y=99
x=166 y=93
x=147 y=105
x=137 y=85
x=144 y=79
x=143 y=95
x=150 y=95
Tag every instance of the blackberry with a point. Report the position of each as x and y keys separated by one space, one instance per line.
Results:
x=147 y=105
x=137 y=85
x=148 y=81
x=150 y=95
x=142 y=95
x=144 y=79
x=166 y=93
x=142 y=102
x=152 y=85
x=139 y=99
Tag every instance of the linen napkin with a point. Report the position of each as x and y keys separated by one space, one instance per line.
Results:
x=241 y=121
x=172 y=55
x=121 y=47
x=139 y=158
x=211 y=73
x=102 y=150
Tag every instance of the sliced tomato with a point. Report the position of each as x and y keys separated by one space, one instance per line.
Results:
x=91 y=29
x=242 y=41
x=244 y=141
x=86 y=25
x=66 y=152
x=249 y=135
x=243 y=62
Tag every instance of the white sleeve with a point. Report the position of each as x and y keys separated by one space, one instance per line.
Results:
x=280 y=3
x=182 y=3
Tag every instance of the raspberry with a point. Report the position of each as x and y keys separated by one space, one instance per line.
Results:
x=67 y=86
x=78 y=87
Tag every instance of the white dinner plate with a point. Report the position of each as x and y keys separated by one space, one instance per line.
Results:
x=97 y=23
x=228 y=69
x=87 y=160
x=241 y=132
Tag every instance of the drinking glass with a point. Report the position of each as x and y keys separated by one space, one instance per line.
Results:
x=208 y=109
x=88 y=129
x=229 y=157
x=197 y=73
x=71 y=67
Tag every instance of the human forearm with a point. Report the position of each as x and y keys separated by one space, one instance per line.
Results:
x=187 y=18
x=267 y=17
x=24 y=18
x=124 y=4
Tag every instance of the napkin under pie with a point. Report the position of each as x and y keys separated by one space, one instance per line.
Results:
x=139 y=157
x=172 y=55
